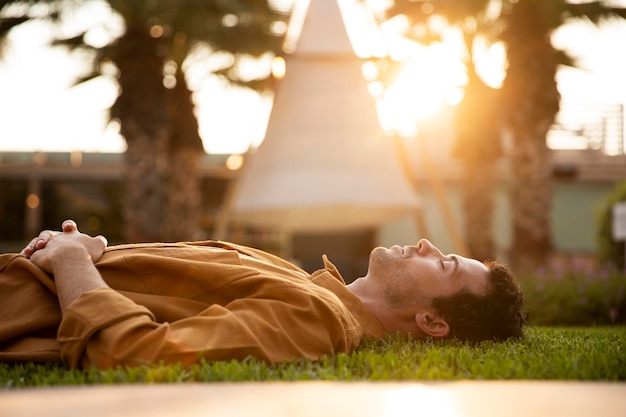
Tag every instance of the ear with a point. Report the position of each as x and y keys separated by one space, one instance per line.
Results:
x=432 y=325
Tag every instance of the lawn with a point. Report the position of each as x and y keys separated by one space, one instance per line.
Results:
x=548 y=353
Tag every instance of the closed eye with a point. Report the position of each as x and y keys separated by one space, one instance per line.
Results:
x=443 y=267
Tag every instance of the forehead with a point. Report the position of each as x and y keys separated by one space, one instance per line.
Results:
x=475 y=275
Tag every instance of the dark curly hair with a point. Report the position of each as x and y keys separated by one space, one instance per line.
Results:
x=497 y=316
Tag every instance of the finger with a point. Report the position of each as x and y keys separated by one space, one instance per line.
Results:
x=103 y=239
x=36 y=243
x=69 y=226
x=28 y=250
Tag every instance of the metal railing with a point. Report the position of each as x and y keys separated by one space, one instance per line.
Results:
x=597 y=127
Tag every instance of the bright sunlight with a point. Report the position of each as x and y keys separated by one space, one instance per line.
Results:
x=424 y=84
x=429 y=78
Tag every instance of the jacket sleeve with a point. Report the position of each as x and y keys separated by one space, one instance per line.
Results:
x=104 y=328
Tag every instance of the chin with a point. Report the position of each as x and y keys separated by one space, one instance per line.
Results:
x=377 y=250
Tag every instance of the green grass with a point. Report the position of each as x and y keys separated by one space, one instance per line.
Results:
x=590 y=354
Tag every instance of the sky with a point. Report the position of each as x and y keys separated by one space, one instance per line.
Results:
x=41 y=110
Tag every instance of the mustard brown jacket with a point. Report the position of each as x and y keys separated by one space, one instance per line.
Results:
x=180 y=303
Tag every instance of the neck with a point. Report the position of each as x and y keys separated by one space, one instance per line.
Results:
x=393 y=320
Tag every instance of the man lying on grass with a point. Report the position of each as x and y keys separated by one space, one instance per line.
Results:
x=68 y=297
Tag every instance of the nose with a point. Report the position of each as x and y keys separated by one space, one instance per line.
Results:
x=425 y=247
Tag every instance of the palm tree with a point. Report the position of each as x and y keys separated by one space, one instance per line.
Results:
x=185 y=151
x=142 y=111
x=6 y=24
x=477 y=123
x=251 y=37
x=164 y=149
x=529 y=96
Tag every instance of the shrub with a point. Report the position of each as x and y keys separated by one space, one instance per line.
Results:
x=610 y=250
x=575 y=292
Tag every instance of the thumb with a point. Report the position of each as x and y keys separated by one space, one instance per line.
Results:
x=69 y=226
x=103 y=240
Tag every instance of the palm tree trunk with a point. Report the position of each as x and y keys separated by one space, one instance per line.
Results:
x=478 y=204
x=141 y=109
x=477 y=126
x=531 y=197
x=532 y=102
x=185 y=151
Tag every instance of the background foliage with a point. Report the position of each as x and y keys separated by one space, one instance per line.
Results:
x=582 y=290
x=610 y=250
x=575 y=292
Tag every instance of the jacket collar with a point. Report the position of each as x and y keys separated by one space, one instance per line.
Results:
x=330 y=278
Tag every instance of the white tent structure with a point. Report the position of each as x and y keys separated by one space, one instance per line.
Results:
x=325 y=164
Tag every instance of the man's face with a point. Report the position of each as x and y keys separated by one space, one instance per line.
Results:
x=415 y=275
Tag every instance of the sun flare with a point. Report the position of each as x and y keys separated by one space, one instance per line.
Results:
x=425 y=83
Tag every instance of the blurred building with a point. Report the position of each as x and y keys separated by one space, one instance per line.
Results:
x=40 y=190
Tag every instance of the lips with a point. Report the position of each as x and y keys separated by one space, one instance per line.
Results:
x=397 y=248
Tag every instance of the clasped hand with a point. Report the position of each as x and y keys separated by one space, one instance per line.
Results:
x=51 y=246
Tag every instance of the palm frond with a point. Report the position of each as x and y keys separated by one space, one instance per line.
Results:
x=595 y=11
